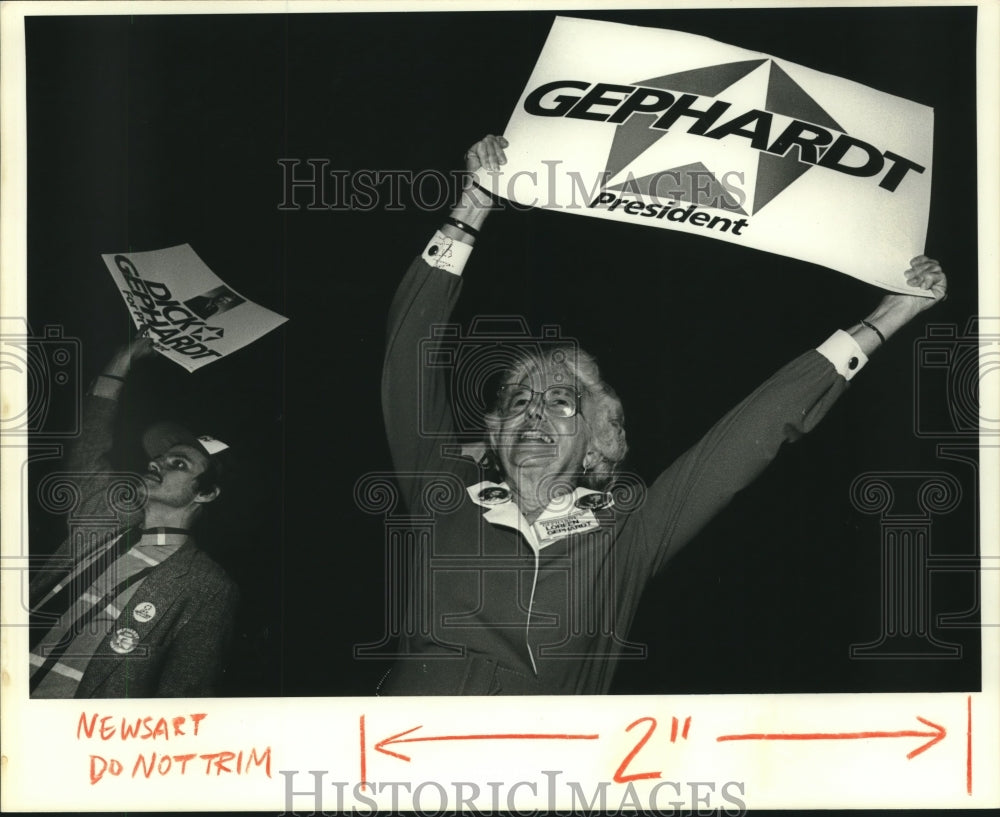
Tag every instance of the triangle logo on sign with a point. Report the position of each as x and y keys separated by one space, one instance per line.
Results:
x=694 y=181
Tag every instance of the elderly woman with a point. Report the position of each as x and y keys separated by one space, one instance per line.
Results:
x=536 y=575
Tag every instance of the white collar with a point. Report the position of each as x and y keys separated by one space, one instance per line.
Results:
x=501 y=509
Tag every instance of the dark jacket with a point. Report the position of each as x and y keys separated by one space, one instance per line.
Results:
x=486 y=615
x=182 y=648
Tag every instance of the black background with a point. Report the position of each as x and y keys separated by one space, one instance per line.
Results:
x=146 y=132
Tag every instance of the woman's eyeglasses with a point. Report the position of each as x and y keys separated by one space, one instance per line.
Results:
x=559 y=401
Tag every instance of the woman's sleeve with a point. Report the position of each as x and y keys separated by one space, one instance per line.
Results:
x=735 y=451
x=415 y=407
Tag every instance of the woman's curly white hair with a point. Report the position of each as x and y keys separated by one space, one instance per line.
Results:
x=605 y=417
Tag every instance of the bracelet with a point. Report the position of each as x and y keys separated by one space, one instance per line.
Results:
x=465 y=228
x=874 y=329
x=112 y=377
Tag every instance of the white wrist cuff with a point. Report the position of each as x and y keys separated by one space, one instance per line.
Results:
x=447 y=253
x=844 y=353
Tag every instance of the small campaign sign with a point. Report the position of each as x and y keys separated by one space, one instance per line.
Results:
x=666 y=129
x=192 y=315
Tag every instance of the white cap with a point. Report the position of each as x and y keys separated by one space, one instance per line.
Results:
x=211 y=445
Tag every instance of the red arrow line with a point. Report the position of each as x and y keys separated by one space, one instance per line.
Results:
x=398 y=738
x=937 y=735
x=364 y=759
x=968 y=748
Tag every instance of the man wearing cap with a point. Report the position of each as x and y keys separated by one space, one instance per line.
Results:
x=132 y=608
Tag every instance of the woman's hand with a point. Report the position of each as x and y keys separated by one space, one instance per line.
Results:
x=475 y=204
x=924 y=273
x=896 y=309
x=487 y=152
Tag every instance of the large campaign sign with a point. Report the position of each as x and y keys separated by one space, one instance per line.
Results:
x=673 y=130
x=190 y=313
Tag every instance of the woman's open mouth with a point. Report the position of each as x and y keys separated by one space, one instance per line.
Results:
x=534 y=435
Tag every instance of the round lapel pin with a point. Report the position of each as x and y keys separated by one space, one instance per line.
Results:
x=144 y=612
x=124 y=640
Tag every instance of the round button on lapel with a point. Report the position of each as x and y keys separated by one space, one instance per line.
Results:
x=124 y=640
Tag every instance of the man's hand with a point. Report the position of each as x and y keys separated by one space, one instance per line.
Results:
x=142 y=346
x=112 y=378
x=129 y=353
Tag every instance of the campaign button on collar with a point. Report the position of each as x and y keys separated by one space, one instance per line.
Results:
x=144 y=612
x=494 y=495
x=593 y=502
